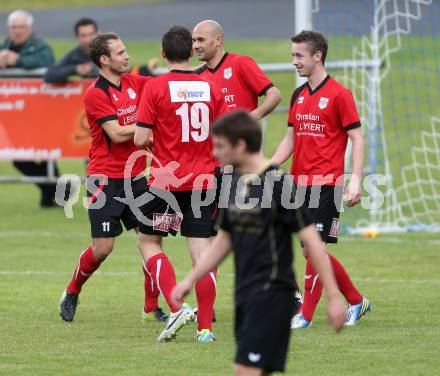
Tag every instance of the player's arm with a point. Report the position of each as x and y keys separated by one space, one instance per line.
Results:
x=256 y=80
x=272 y=98
x=143 y=136
x=99 y=107
x=118 y=133
x=146 y=117
x=349 y=119
x=285 y=148
x=218 y=250
x=335 y=309
x=353 y=196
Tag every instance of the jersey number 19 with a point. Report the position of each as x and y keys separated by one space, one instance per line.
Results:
x=195 y=121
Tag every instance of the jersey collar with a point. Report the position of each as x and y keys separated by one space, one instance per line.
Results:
x=323 y=82
x=213 y=70
x=182 y=71
x=103 y=83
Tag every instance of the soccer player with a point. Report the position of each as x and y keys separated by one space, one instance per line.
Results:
x=257 y=224
x=322 y=117
x=111 y=104
x=177 y=109
x=241 y=80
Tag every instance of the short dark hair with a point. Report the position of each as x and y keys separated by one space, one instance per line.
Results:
x=239 y=125
x=84 y=22
x=315 y=40
x=177 y=44
x=99 y=46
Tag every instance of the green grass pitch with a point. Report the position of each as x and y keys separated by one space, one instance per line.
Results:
x=39 y=249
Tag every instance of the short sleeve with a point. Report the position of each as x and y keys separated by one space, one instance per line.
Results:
x=222 y=220
x=346 y=109
x=254 y=78
x=146 y=115
x=99 y=107
x=141 y=82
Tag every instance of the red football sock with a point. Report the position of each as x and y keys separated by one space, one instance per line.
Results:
x=206 y=293
x=151 y=291
x=312 y=291
x=162 y=271
x=345 y=284
x=86 y=266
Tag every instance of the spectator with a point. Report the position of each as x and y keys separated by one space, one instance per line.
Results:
x=23 y=50
x=76 y=62
x=147 y=69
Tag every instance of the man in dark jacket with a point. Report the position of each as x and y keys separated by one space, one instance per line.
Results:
x=76 y=62
x=22 y=49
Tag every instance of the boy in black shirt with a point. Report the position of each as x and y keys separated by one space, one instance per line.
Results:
x=257 y=224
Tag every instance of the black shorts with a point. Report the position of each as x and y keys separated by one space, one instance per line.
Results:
x=168 y=211
x=105 y=212
x=325 y=212
x=218 y=178
x=262 y=330
x=221 y=200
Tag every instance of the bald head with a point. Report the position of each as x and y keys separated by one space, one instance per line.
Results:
x=209 y=26
x=208 y=38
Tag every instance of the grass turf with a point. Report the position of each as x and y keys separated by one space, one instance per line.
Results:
x=39 y=249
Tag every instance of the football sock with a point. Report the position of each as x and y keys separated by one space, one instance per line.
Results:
x=151 y=291
x=313 y=287
x=312 y=291
x=345 y=283
x=162 y=272
x=206 y=293
x=87 y=264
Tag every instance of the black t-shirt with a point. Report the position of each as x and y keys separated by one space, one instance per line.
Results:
x=260 y=220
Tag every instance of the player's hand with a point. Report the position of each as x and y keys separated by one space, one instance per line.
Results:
x=353 y=192
x=336 y=313
x=180 y=291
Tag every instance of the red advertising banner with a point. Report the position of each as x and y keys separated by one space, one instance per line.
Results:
x=42 y=121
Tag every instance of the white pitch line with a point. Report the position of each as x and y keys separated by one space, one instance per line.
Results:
x=45 y=234
x=59 y=234
x=227 y=275
x=389 y=240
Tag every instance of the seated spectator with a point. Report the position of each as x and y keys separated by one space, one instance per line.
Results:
x=76 y=62
x=148 y=69
x=22 y=49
